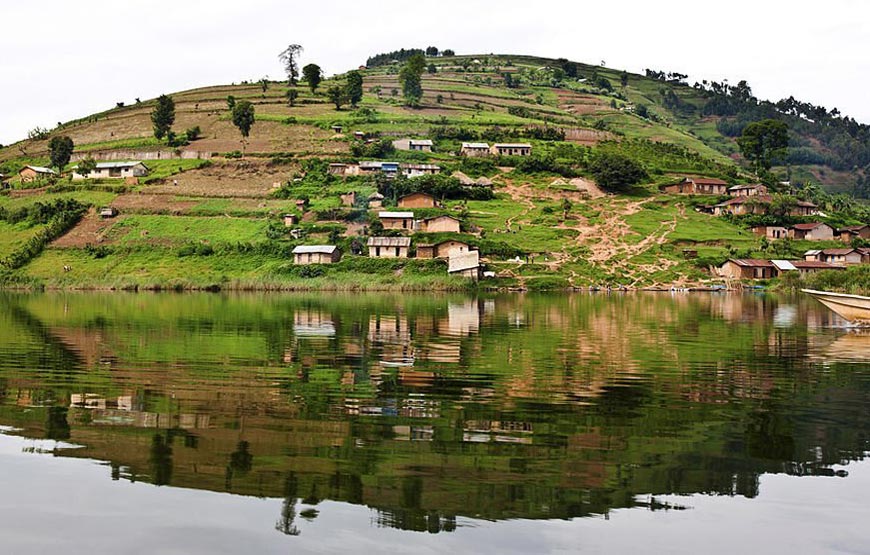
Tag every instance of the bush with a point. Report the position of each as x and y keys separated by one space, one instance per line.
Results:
x=193 y=133
x=616 y=172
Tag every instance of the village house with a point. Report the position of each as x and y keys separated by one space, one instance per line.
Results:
x=474 y=150
x=847 y=234
x=376 y=200
x=738 y=268
x=397 y=220
x=439 y=224
x=416 y=145
x=837 y=257
x=114 y=170
x=697 y=186
x=740 y=206
x=466 y=265
x=418 y=200
x=388 y=247
x=772 y=232
x=512 y=149
x=316 y=254
x=28 y=174
x=290 y=220
x=813 y=266
x=747 y=190
x=759 y=204
x=442 y=249
x=424 y=145
x=814 y=231
x=416 y=170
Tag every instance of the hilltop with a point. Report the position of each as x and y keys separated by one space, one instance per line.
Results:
x=209 y=212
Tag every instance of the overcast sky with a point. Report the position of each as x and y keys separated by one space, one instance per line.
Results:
x=66 y=59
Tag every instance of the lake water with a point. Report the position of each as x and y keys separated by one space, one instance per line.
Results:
x=364 y=423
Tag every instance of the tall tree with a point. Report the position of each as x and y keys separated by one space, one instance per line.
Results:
x=763 y=142
x=336 y=95
x=163 y=115
x=354 y=87
x=410 y=76
x=243 y=117
x=290 y=58
x=313 y=75
x=292 y=95
x=60 y=150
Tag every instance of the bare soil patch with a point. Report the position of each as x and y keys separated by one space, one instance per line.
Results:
x=229 y=178
x=89 y=231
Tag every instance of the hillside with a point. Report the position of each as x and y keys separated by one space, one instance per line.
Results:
x=209 y=212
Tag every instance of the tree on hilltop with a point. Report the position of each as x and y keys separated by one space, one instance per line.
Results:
x=243 y=117
x=60 y=150
x=410 y=76
x=354 y=87
x=313 y=75
x=290 y=58
x=163 y=116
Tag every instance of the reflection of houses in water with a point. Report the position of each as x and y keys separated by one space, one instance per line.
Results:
x=312 y=324
x=393 y=335
x=124 y=411
x=413 y=433
x=485 y=431
x=417 y=406
x=463 y=320
x=309 y=325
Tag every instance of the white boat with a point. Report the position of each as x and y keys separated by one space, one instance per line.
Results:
x=854 y=308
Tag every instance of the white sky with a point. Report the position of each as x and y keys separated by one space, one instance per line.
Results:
x=62 y=59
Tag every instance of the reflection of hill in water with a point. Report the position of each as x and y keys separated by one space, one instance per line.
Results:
x=508 y=407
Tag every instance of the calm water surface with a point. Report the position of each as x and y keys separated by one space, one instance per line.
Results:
x=646 y=423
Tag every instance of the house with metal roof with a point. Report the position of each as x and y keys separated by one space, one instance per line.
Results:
x=511 y=149
x=813 y=231
x=113 y=170
x=474 y=150
x=403 y=221
x=316 y=254
x=32 y=173
x=388 y=247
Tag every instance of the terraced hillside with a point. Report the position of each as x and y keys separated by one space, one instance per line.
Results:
x=209 y=213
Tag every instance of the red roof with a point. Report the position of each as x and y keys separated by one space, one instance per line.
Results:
x=814 y=264
x=809 y=226
x=706 y=181
x=752 y=262
x=853 y=228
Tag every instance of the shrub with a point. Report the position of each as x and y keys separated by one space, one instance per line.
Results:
x=616 y=172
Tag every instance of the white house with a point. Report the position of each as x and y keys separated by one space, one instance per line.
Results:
x=114 y=170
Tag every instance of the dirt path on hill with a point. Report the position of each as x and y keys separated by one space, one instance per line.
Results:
x=609 y=240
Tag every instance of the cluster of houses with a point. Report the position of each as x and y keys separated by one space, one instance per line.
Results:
x=462 y=259
x=813 y=231
x=814 y=261
x=103 y=170
x=745 y=199
x=389 y=169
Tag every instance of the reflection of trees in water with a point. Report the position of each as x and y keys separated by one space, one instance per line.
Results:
x=288 y=507
x=411 y=515
x=241 y=461
x=56 y=425
x=160 y=459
